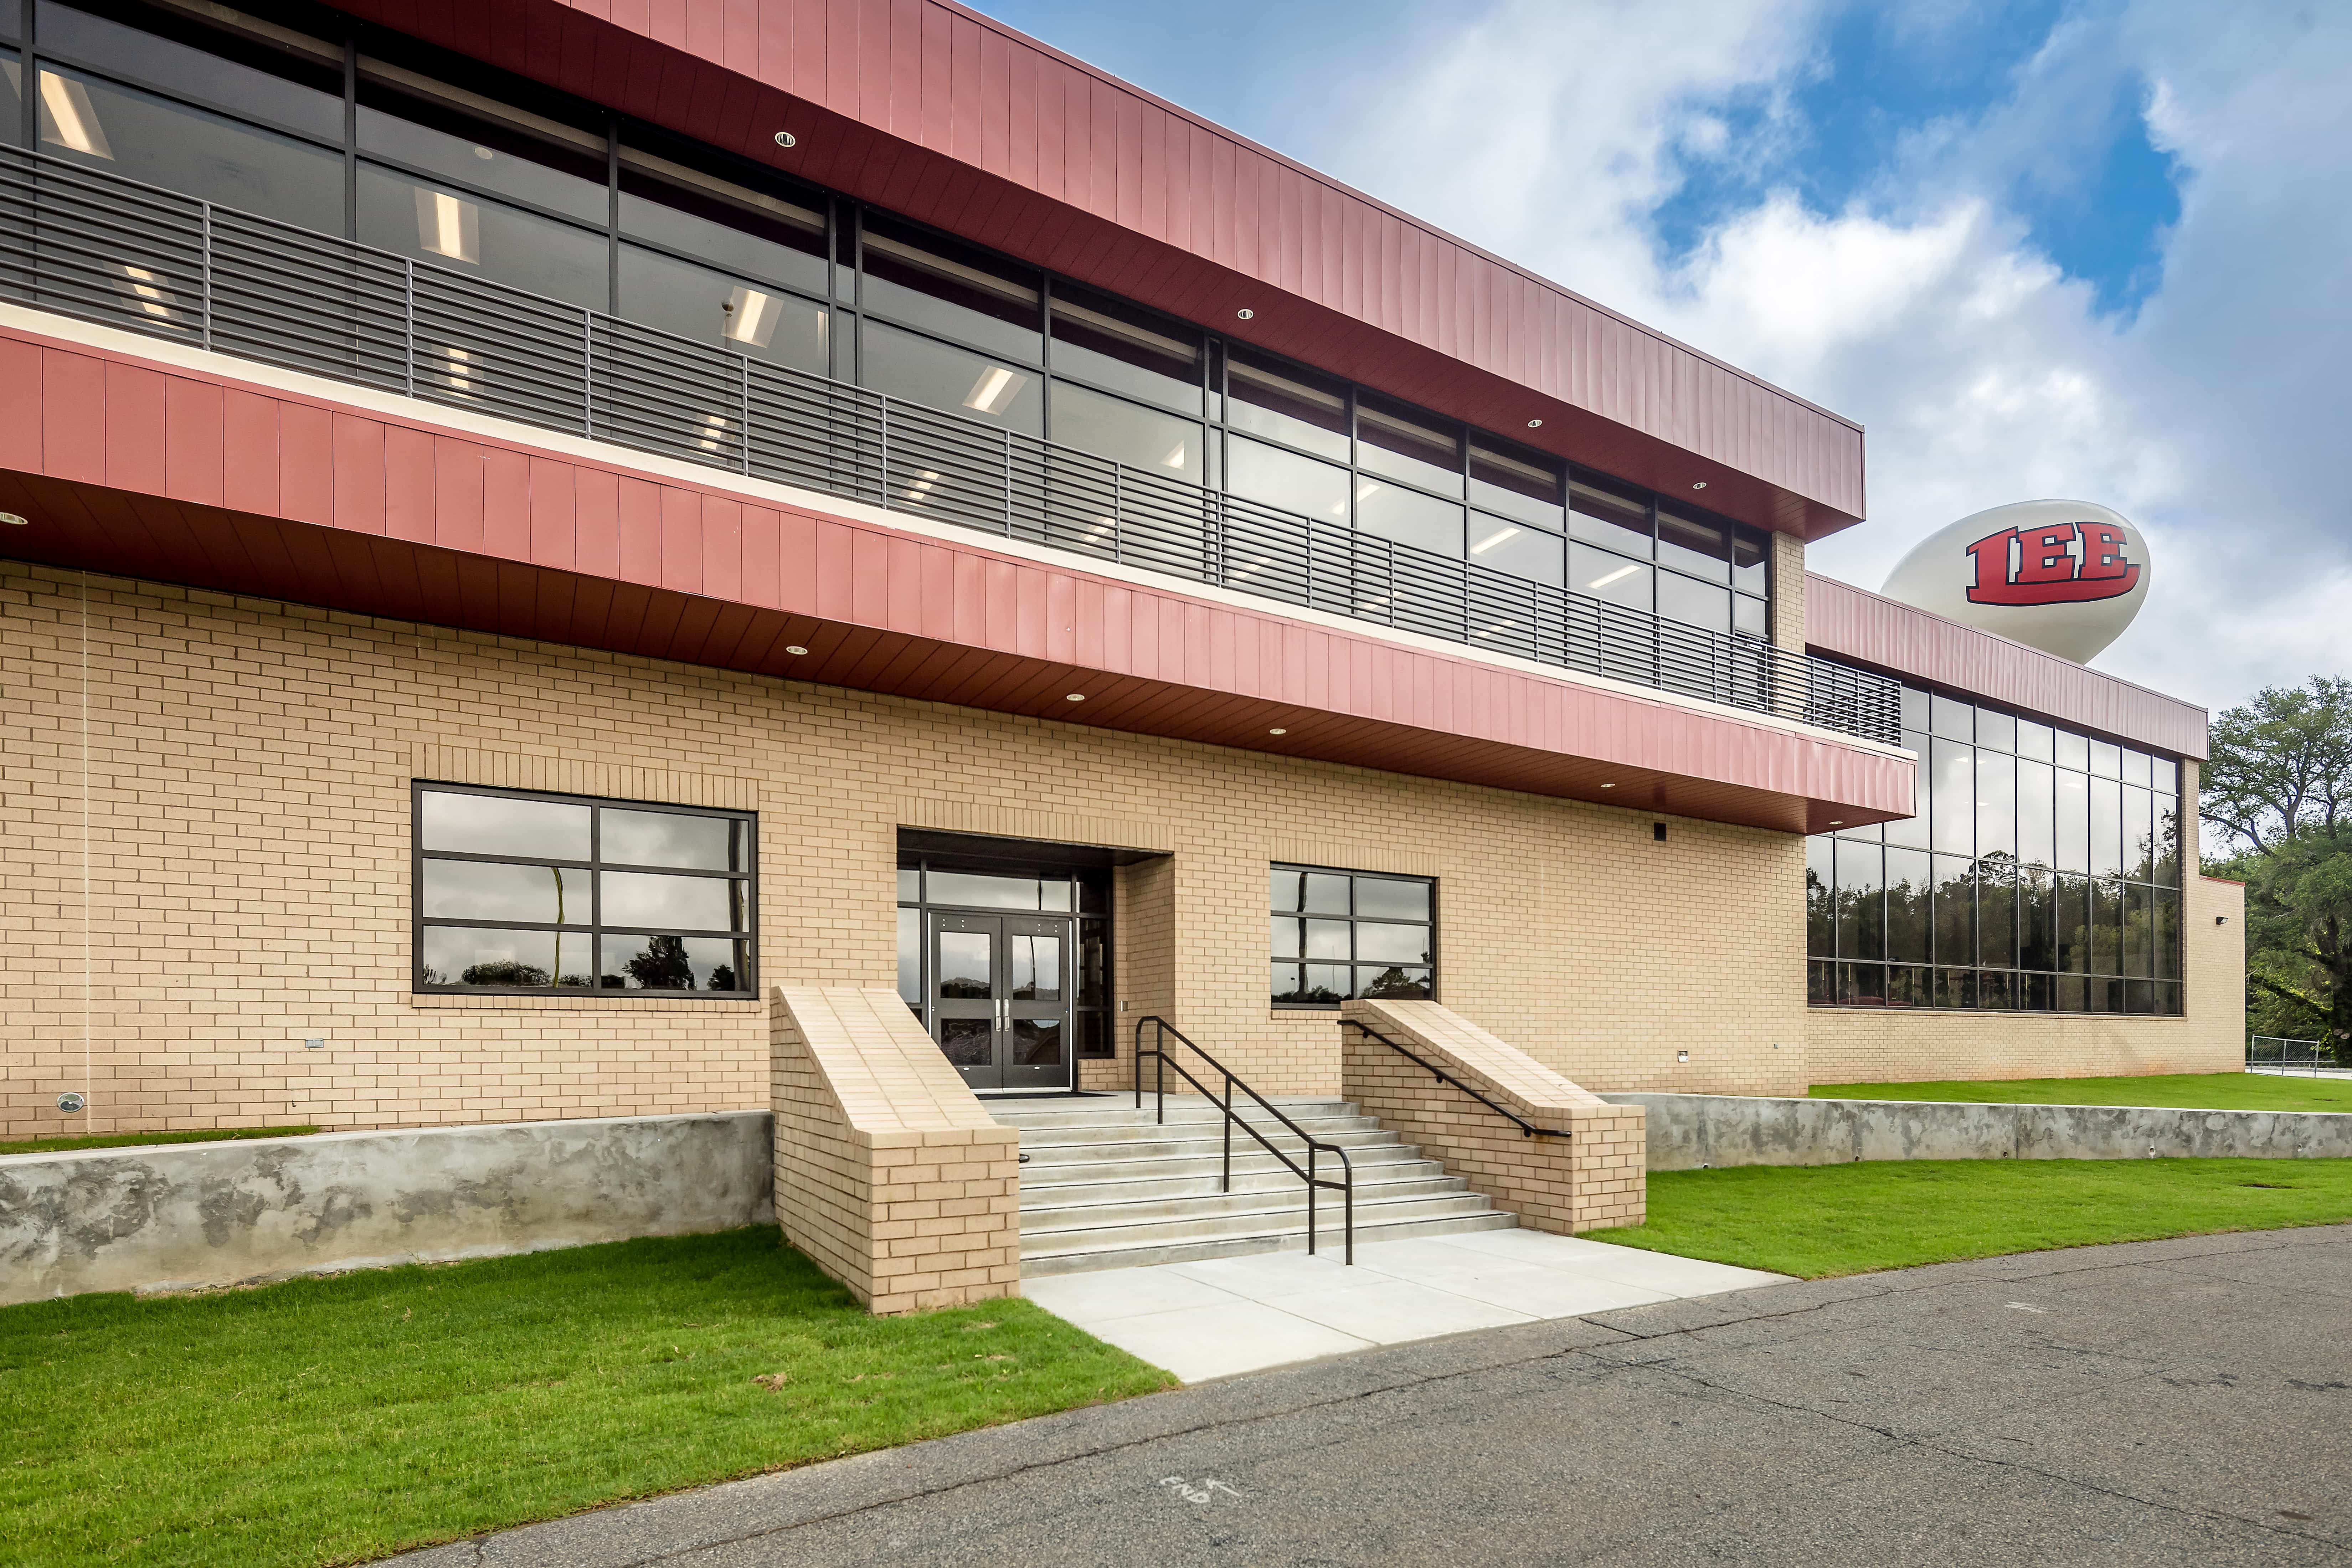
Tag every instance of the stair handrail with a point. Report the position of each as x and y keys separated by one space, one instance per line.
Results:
x=1345 y=1186
x=1527 y=1129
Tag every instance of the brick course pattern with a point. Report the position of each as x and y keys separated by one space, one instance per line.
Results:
x=245 y=790
x=1594 y=1178
x=889 y=1174
x=1904 y=1045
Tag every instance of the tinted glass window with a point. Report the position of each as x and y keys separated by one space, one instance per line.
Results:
x=201 y=154
x=1521 y=485
x=755 y=319
x=1996 y=804
x=1408 y=517
x=923 y=370
x=1750 y=618
x=1361 y=936
x=1291 y=405
x=927 y=281
x=1690 y=542
x=299 y=90
x=1607 y=576
x=1284 y=479
x=1518 y=549
x=1141 y=438
x=1750 y=555
x=1406 y=444
x=742 y=231
x=1114 y=345
x=459 y=229
x=1694 y=604
x=1607 y=516
x=437 y=138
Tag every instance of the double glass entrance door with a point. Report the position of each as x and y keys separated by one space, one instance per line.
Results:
x=1000 y=998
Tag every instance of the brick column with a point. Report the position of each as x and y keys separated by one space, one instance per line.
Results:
x=1594 y=1178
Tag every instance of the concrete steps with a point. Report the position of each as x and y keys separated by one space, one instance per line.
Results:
x=1108 y=1186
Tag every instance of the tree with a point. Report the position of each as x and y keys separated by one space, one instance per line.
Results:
x=2279 y=789
x=2281 y=763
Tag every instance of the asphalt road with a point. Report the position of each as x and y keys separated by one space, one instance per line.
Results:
x=2157 y=1402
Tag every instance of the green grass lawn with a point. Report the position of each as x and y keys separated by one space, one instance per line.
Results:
x=2197 y=1091
x=326 y=1420
x=135 y=1140
x=1815 y=1221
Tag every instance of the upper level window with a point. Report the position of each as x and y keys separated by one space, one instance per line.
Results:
x=530 y=892
x=1339 y=934
x=941 y=286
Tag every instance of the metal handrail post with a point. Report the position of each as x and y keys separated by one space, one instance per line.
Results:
x=1227 y=1185
x=885 y=400
x=743 y=428
x=204 y=274
x=587 y=373
x=1311 y=1185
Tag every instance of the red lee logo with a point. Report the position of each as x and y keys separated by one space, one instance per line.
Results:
x=2065 y=564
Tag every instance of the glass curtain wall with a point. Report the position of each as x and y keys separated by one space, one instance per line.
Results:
x=363 y=134
x=2041 y=870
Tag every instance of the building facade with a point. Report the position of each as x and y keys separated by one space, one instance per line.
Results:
x=527 y=531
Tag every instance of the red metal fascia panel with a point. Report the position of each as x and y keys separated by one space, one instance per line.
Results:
x=1887 y=635
x=942 y=113
x=1000 y=632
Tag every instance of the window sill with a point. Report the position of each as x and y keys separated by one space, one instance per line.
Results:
x=1868 y=1009
x=594 y=1002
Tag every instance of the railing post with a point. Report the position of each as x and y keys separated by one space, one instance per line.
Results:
x=1008 y=481
x=588 y=373
x=205 y=276
x=744 y=424
x=1118 y=512
x=408 y=323
x=886 y=480
x=1310 y=1198
x=1228 y=1180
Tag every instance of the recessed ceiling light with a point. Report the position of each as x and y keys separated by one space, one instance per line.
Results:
x=1277 y=731
x=1698 y=484
x=1609 y=786
x=1245 y=314
x=786 y=139
x=795 y=650
x=1837 y=821
x=1535 y=424
x=1075 y=697
x=13 y=520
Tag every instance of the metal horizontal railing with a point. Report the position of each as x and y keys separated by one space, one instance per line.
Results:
x=91 y=244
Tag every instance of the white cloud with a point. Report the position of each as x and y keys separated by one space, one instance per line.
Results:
x=1551 y=133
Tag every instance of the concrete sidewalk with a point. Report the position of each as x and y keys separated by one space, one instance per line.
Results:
x=1229 y=1315
x=2158 y=1402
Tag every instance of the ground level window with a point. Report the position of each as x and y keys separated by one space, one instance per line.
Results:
x=1338 y=934
x=518 y=892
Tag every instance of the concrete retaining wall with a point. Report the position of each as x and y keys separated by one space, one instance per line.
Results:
x=177 y=1216
x=1692 y=1132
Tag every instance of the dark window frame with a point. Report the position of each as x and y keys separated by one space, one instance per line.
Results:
x=596 y=930
x=1352 y=962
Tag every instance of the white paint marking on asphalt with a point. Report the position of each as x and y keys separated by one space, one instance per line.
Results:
x=2026 y=1307
x=1208 y=1488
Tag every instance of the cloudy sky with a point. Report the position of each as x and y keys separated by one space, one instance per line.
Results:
x=2095 y=251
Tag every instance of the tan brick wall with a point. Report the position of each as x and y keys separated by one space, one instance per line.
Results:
x=1865 y=1045
x=890 y=1173
x=1595 y=1176
x=249 y=774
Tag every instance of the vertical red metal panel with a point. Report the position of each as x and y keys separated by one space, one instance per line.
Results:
x=681 y=540
x=306 y=463
x=554 y=512
x=902 y=585
x=596 y=527
x=459 y=523
x=798 y=551
x=836 y=587
x=971 y=609
x=359 y=473
x=192 y=423
x=763 y=559
x=506 y=503
x=410 y=483
x=135 y=429
x=250 y=451
x=23 y=399
x=73 y=426
x=722 y=547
